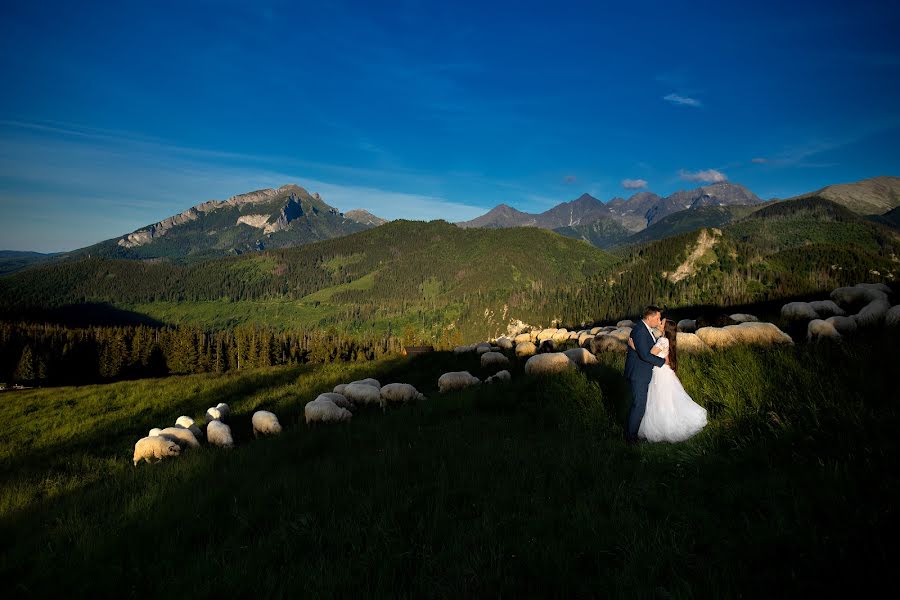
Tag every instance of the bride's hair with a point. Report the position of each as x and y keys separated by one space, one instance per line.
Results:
x=671 y=333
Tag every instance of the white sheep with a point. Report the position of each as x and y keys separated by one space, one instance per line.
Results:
x=843 y=325
x=625 y=323
x=368 y=381
x=482 y=348
x=827 y=308
x=761 y=334
x=561 y=335
x=797 y=311
x=224 y=409
x=339 y=388
x=361 y=393
x=584 y=339
x=188 y=423
x=743 y=318
x=892 y=318
x=504 y=343
x=339 y=399
x=499 y=376
x=580 y=356
x=265 y=423
x=181 y=436
x=546 y=334
x=545 y=364
x=687 y=325
x=525 y=349
x=219 y=434
x=456 y=380
x=522 y=337
x=325 y=411
x=214 y=414
x=689 y=342
x=873 y=313
x=493 y=359
x=154 y=447
x=595 y=330
x=621 y=333
x=860 y=293
x=609 y=343
x=400 y=392
x=819 y=330
x=878 y=287
x=716 y=337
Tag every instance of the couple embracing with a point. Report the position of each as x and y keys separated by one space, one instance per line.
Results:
x=661 y=411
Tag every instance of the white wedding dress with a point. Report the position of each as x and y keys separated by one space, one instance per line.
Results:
x=671 y=415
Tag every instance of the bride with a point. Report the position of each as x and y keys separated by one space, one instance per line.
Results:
x=671 y=416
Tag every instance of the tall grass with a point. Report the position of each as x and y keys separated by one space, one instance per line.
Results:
x=512 y=489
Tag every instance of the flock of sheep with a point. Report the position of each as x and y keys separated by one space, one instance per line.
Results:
x=828 y=319
x=330 y=407
x=169 y=441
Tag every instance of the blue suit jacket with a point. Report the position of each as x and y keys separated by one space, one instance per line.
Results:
x=639 y=362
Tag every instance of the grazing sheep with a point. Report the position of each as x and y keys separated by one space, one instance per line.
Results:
x=545 y=364
x=369 y=381
x=877 y=287
x=716 y=337
x=818 y=330
x=689 y=342
x=499 y=376
x=325 y=411
x=584 y=338
x=621 y=333
x=608 y=343
x=482 y=348
x=743 y=318
x=873 y=313
x=464 y=349
x=843 y=325
x=339 y=399
x=860 y=293
x=154 y=447
x=827 y=308
x=892 y=318
x=493 y=359
x=796 y=311
x=547 y=346
x=505 y=343
x=219 y=434
x=456 y=380
x=400 y=392
x=188 y=423
x=687 y=325
x=522 y=337
x=339 y=389
x=265 y=423
x=546 y=334
x=362 y=393
x=154 y=432
x=580 y=356
x=525 y=349
x=761 y=334
x=561 y=335
x=181 y=436
x=595 y=330
x=214 y=414
x=625 y=323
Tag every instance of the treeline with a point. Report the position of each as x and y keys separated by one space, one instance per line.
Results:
x=51 y=354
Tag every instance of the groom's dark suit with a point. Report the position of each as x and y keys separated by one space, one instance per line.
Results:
x=639 y=365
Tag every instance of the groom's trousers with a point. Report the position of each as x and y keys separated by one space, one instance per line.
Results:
x=639 y=391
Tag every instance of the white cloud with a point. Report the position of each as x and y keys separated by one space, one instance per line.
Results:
x=682 y=100
x=760 y=160
x=705 y=176
x=634 y=184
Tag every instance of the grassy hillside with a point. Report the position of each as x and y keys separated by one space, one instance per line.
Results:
x=401 y=272
x=519 y=490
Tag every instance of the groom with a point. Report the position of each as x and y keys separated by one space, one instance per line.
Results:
x=639 y=365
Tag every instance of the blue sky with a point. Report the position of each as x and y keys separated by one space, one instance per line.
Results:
x=116 y=115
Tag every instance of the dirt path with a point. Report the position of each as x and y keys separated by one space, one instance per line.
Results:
x=704 y=243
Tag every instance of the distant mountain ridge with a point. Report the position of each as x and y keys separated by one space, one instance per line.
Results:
x=875 y=196
x=635 y=213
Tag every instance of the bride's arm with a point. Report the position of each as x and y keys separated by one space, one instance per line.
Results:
x=655 y=350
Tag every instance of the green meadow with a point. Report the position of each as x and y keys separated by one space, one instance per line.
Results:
x=518 y=489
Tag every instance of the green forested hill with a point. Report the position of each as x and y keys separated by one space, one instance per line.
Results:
x=689 y=220
x=395 y=270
